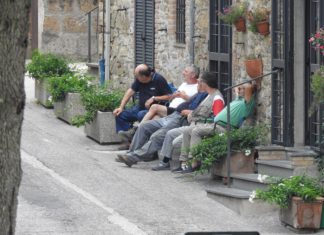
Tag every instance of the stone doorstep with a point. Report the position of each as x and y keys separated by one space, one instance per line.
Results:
x=271 y=152
x=237 y=200
x=277 y=168
x=248 y=182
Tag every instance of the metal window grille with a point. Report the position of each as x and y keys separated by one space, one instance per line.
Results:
x=315 y=122
x=181 y=21
x=282 y=83
x=220 y=38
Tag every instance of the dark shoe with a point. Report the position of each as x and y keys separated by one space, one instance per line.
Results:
x=162 y=166
x=179 y=169
x=190 y=169
x=127 y=160
x=153 y=157
x=124 y=146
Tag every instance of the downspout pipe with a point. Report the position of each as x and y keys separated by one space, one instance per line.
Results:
x=107 y=40
x=192 y=32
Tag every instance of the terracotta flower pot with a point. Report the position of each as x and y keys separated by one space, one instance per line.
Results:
x=240 y=25
x=263 y=28
x=254 y=67
x=301 y=214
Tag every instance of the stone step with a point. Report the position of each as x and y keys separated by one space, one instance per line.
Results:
x=249 y=182
x=271 y=152
x=237 y=200
x=277 y=168
x=93 y=69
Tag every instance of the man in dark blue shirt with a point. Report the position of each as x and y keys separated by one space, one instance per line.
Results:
x=151 y=87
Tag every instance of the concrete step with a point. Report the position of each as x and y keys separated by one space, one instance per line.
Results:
x=271 y=152
x=249 y=182
x=93 y=69
x=237 y=200
x=277 y=168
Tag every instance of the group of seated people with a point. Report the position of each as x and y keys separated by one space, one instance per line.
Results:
x=182 y=123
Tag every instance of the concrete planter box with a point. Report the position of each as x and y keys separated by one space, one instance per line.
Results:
x=103 y=129
x=41 y=93
x=69 y=108
x=302 y=215
x=240 y=163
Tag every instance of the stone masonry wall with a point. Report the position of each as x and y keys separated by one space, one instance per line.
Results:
x=248 y=43
x=65 y=27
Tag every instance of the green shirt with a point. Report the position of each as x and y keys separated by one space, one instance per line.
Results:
x=239 y=111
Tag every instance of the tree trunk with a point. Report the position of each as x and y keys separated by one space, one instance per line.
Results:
x=13 y=43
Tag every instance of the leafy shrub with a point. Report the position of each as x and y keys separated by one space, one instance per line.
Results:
x=59 y=86
x=213 y=148
x=317 y=87
x=97 y=99
x=47 y=65
x=282 y=191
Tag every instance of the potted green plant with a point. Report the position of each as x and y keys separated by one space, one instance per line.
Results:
x=317 y=87
x=65 y=91
x=211 y=151
x=299 y=199
x=259 y=21
x=235 y=14
x=99 y=120
x=41 y=67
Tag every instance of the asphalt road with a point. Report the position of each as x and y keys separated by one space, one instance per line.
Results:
x=72 y=185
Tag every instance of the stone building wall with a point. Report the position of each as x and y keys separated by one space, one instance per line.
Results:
x=248 y=43
x=64 y=27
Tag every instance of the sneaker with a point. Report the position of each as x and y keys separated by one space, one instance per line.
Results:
x=126 y=159
x=162 y=166
x=127 y=136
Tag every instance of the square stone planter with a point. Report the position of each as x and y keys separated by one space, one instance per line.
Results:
x=240 y=163
x=301 y=214
x=103 y=128
x=42 y=94
x=69 y=108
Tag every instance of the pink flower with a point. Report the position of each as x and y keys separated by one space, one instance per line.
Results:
x=311 y=39
x=317 y=35
x=321 y=47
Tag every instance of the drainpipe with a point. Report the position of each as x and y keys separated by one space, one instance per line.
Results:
x=107 y=40
x=192 y=32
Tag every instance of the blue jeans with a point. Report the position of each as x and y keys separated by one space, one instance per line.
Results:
x=125 y=119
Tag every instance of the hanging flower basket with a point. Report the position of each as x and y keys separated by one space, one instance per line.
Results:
x=240 y=25
x=263 y=28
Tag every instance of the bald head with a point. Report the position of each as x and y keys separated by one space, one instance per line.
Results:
x=143 y=73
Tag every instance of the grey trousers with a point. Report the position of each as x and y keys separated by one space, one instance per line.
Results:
x=150 y=135
x=172 y=140
x=193 y=135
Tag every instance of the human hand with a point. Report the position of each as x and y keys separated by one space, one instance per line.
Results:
x=185 y=112
x=117 y=111
x=148 y=103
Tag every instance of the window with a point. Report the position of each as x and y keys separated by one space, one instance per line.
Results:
x=180 y=21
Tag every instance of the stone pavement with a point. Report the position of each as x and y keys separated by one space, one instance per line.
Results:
x=72 y=185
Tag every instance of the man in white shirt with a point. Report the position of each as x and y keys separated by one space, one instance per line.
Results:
x=186 y=90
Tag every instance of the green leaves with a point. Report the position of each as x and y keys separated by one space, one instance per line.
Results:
x=97 y=99
x=59 y=86
x=281 y=192
x=47 y=65
x=213 y=148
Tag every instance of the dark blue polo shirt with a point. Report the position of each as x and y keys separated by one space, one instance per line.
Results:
x=156 y=87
